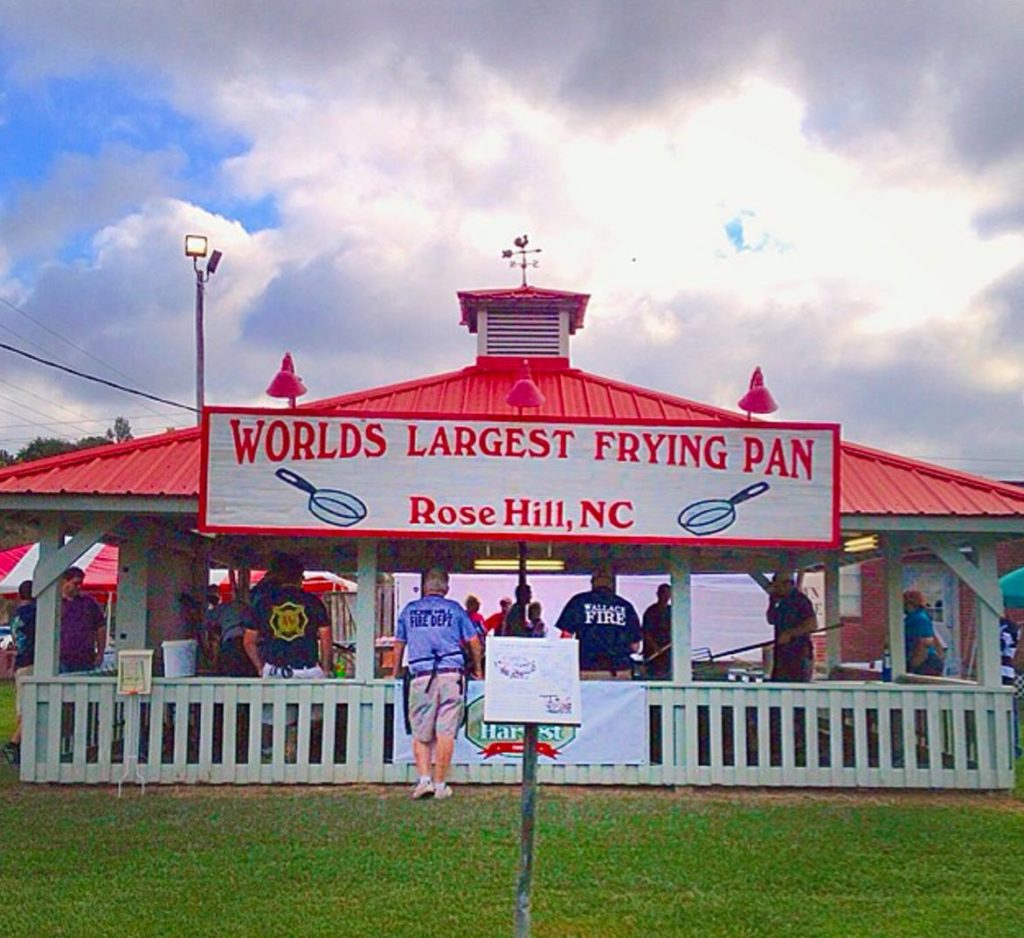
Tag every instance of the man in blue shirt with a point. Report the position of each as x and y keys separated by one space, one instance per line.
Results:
x=438 y=633
x=924 y=652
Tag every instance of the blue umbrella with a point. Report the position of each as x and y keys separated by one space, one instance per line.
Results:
x=1012 y=586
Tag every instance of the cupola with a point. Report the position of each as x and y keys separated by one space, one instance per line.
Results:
x=525 y=322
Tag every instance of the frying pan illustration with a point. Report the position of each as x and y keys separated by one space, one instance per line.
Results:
x=711 y=515
x=329 y=505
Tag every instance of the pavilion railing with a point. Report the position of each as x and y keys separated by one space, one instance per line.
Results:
x=224 y=731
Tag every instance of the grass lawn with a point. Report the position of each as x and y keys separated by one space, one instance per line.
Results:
x=6 y=710
x=350 y=861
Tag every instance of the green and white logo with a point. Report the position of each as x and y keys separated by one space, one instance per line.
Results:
x=506 y=739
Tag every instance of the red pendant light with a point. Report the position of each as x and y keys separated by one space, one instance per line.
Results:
x=286 y=383
x=758 y=399
x=524 y=392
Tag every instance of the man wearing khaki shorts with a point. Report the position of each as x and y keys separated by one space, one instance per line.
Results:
x=438 y=633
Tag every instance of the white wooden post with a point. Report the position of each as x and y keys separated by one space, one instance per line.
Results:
x=679 y=571
x=982 y=578
x=987 y=617
x=47 y=593
x=132 y=591
x=366 y=607
x=833 y=638
x=893 y=554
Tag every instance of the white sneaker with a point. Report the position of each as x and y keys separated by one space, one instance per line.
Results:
x=423 y=789
x=442 y=791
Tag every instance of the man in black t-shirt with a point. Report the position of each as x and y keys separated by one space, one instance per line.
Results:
x=657 y=630
x=791 y=614
x=606 y=625
x=290 y=631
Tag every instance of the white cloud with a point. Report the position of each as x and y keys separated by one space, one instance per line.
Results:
x=402 y=152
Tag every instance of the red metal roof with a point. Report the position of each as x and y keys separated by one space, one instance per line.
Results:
x=872 y=482
x=164 y=464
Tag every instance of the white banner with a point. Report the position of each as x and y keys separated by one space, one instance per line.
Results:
x=614 y=731
x=309 y=473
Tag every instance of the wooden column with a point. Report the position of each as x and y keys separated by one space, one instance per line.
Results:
x=366 y=607
x=981 y=576
x=893 y=554
x=682 y=645
x=132 y=590
x=46 y=589
x=988 y=609
x=833 y=638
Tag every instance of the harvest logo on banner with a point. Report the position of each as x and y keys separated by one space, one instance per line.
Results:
x=499 y=739
x=332 y=473
x=615 y=731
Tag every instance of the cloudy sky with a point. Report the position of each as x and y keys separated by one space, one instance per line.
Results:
x=830 y=190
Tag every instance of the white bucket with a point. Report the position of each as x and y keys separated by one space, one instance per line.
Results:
x=180 y=658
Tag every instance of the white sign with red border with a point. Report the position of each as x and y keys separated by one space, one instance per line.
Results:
x=359 y=474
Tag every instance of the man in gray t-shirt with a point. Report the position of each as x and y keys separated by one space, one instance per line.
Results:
x=438 y=633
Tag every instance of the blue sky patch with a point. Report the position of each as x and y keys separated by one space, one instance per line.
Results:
x=84 y=115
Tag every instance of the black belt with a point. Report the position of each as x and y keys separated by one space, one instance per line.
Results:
x=438 y=671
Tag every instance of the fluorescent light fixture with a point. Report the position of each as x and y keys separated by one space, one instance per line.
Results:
x=861 y=543
x=511 y=565
x=195 y=245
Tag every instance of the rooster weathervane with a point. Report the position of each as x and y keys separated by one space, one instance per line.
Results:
x=521 y=262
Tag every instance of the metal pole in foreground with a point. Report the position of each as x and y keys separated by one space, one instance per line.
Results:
x=528 y=805
x=200 y=346
x=528 y=802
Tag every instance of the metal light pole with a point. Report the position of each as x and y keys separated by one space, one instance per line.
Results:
x=196 y=247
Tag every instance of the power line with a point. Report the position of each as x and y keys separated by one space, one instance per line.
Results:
x=40 y=397
x=97 y=380
x=974 y=458
x=83 y=419
x=56 y=334
x=143 y=418
x=35 y=410
x=63 y=338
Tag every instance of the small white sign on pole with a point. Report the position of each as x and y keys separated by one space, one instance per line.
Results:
x=135 y=672
x=134 y=678
x=532 y=681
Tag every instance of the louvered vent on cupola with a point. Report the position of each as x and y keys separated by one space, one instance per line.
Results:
x=529 y=322
x=540 y=332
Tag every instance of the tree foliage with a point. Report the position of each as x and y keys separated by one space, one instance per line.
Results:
x=43 y=446
x=121 y=432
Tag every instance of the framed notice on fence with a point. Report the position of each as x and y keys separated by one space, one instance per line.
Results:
x=135 y=672
x=530 y=680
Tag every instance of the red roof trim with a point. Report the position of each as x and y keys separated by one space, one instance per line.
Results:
x=513 y=362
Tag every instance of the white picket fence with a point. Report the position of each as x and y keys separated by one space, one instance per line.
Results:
x=223 y=731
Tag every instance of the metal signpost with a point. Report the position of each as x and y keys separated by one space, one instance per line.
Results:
x=534 y=683
x=134 y=678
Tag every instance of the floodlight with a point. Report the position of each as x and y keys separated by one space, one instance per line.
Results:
x=195 y=246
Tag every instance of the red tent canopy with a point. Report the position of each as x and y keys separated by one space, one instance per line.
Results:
x=19 y=563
